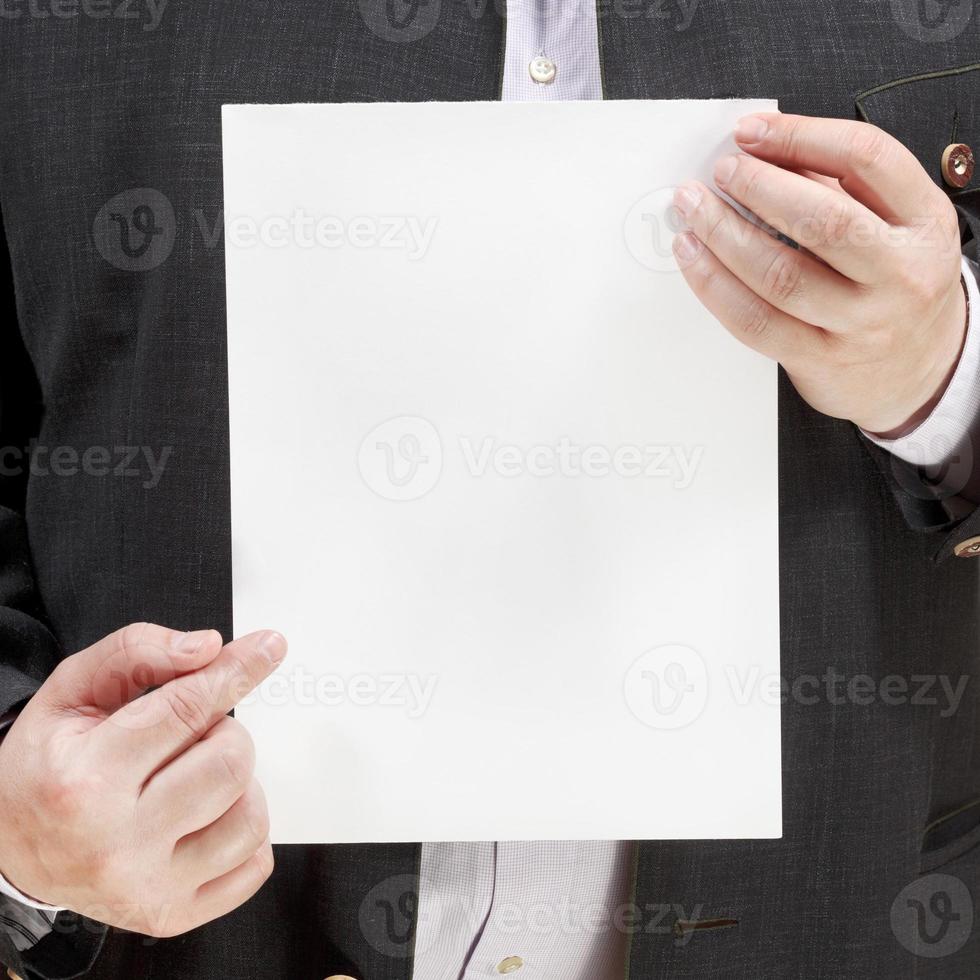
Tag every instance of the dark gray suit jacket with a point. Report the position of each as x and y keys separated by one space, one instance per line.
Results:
x=118 y=347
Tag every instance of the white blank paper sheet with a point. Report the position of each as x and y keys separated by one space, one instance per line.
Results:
x=510 y=493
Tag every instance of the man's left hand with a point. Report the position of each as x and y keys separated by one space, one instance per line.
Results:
x=868 y=316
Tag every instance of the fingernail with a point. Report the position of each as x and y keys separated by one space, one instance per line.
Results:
x=191 y=642
x=725 y=169
x=273 y=645
x=686 y=247
x=686 y=199
x=751 y=129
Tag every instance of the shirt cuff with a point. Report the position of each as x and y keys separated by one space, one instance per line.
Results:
x=937 y=439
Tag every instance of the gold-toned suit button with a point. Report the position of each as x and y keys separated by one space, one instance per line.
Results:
x=341 y=976
x=957 y=164
x=969 y=548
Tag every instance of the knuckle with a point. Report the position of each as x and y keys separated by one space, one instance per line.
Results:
x=714 y=223
x=755 y=320
x=792 y=137
x=243 y=674
x=234 y=736
x=949 y=222
x=188 y=708
x=701 y=272
x=831 y=221
x=930 y=287
x=106 y=875
x=256 y=816
x=68 y=793
x=247 y=827
x=869 y=148
x=166 y=926
x=783 y=277
x=238 y=738
x=922 y=283
x=239 y=763
x=265 y=863
x=944 y=228
x=243 y=664
x=132 y=635
x=65 y=672
x=907 y=275
x=751 y=177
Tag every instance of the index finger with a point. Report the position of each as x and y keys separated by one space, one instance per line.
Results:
x=147 y=733
x=873 y=167
x=124 y=664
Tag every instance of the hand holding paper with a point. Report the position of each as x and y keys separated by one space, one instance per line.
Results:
x=140 y=809
x=868 y=319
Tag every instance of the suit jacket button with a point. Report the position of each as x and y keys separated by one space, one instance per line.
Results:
x=969 y=548
x=341 y=976
x=957 y=164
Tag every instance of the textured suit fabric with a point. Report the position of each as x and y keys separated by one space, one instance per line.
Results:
x=107 y=355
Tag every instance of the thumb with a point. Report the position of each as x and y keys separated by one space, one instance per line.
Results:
x=124 y=664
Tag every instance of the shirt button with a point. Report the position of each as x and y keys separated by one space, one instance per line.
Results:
x=510 y=965
x=957 y=164
x=542 y=69
x=969 y=548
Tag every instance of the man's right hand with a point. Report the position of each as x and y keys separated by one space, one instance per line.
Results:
x=139 y=811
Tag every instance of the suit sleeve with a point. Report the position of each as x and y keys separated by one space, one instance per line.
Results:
x=30 y=947
x=28 y=651
x=928 y=495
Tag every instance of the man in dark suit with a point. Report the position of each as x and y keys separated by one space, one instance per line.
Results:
x=145 y=817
